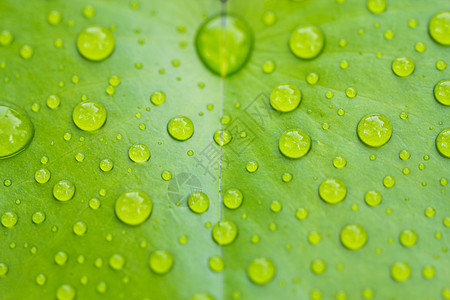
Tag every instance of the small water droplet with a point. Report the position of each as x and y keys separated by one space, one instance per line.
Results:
x=222 y=137
x=54 y=17
x=89 y=115
x=216 y=263
x=106 y=165
x=294 y=143
x=139 y=153
x=353 y=236
x=374 y=130
x=376 y=6
x=161 y=261
x=9 y=219
x=79 y=228
x=403 y=66
x=38 y=217
x=285 y=97
x=339 y=162
x=400 y=271
x=332 y=190
x=116 y=261
x=224 y=232
x=198 y=202
x=95 y=43
x=158 y=97
x=442 y=92
x=65 y=292
x=133 y=207
x=63 y=190
x=408 y=238
x=180 y=128
x=307 y=41
x=443 y=143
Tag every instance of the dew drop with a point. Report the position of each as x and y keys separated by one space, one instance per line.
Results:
x=233 y=198
x=307 y=41
x=224 y=232
x=318 y=266
x=332 y=190
x=95 y=43
x=180 y=128
x=441 y=65
x=339 y=162
x=376 y=6
x=198 y=202
x=428 y=272
x=222 y=137
x=353 y=236
x=269 y=18
x=286 y=177
x=442 y=92
x=6 y=38
x=408 y=238
x=61 y=258
x=301 y=213
x=42 y=176
x=54 y=17
x=161 y=261
x=294 y=143
x=114 y=80
x=158 y=97
x=139 y=153
x=350 y=92
x=439 y=27
x=389 y=181
x=88 y=11
x=268 y=66
x=420 y=47
x=285 y=97
x=65 y=292
x=314 y=237
x=261 y=270
x=106 y=165
x=216 y=263
x=312 y=78
x=133 y=207
x=116 y=261
x=38 y=217
x=94 y=203
x=89 y=115
x=443 y=143
x=41 y=279
x=63 y=190
x=251 y=166
x=403 y=66
x=374 y=130
x=26 y=52
x=9 y=219
x=224 y=44
x=79 y=228
x=373 y=198
x=16 y=132
x=400 y=271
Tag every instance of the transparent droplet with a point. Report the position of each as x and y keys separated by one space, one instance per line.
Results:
x=180 y=128
x=54 y=17
x=61 y=258
x=442 y=92
x=224 y=44
x=95 y=43
x=350 y=92
x=216 y=263
x=268 y=66
x=269 y=18
x=428 y=272
x=388 y=181
x=443 y=143
x=294 y=143
x=301 y=213
x=285 y=97
x=26 y=52
x=106 y=165
x=166 y=175
x=38 y=217
x=94 y=203
x=222 y=137
x=114 y=80
x=286 y=177
x=403 y=66
x=161 y=261
x=314 y=237
x=158 y=97
x=339 y=162
x=224 y=232
x=89 y=115
x=66 y=292
x=79 y=228
x=441 y=65
x=116 y=261
x=63 y=190
x=276 y=206
x=376 y=6
x=420 y=47
x=9 y=219
x=332 y=190
x=251 y=166
x=400 y=271
x=439 y=27
x=133 y=207
x=353 y=236
x=17 y=130
x=312 y=78
x=88 y=11
x=53 y=101
x=408 y=238
x=307 y=41
x=318 y=266
x=374 y=130
x=233 y=198
x=6 y=38
x=139 y=153
x=404 y=154
x=198 y=202
x=261 y=270
x=41 y=279
x=373 y=198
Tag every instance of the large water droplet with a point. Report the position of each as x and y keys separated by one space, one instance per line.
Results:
x=294 y=143
x=376 y=6
x=65 y=292
x=408 y=238
x=307 y=41
x=198 y=202
x=89 y=115
x=261 y=270
x=353 y=236
x=63 y=190
x=139 y=153
x=403 y=66
x=233 y=198
x=224 y=232
x=439 y=27
x=224 y=44
x=400 y=271
x=332 y=190
x=161 y=261
x=443 y=143
x=442 y=92
x=133 y=207
x=16 y=131
x=96 y=43
x=180 y=128
x=374 y=130
x=285 y=97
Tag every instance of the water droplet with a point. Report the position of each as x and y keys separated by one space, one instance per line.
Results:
x=106 y=165
x=16 y=132
x=53 y=101
x=88 y=11
x=412 y=23
x=353 y=236
x=388 y=181
x=38 y=217
x=276 y=206
x=404 y=154
x=139 y=153
x=374 y=130
x=408 y=238
x=339 y=162
x=41 y=279
x=161 y=261
x=224 y=232
x=439 y=27
x=318 y=266
x=9 y=219
x=400 y=271
x=26 y=52
x=63 y=190
x=350 y=92
x=261 y=270
x=222 y=137
x=294 y=143
x=442 y=92
x=332 y=190
x=403 y=66
x=89 y=115
x=268 y=66
x=54 y=17
x=443 y=143
x=441 y=65
x=94 y=203
x=251 y=166
x=286 y=177
x=216 y=263
x=269 y=18
x=95 y=43
x=6 y=38
x=116 y=261
x=65 y=292
x=285 y=97
x=389 y=34
x=133 y=207
x=314 y=237
x=376 y=6
x=79 y=157
x=307 y=41
x=61 y=258
x=420 y=47
x=180 y=128
x=428 y=272
x=42 y=176
x=79 y=228
x=224 y=44
x=312 y=78
x=202 y=296
x=301 y=213
x=158 y=97
x=166 y=175
x=373 y=198
x=233 y=198
x=198 y=202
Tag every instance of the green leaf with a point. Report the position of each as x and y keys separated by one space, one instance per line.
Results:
x=155 y=51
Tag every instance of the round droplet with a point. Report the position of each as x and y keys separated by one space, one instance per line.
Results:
x=373 y=198
x=439 y=27
x=106 y=165
x=161 y=261
x=428 y=272
x=301 y=213
x=61 y=258
x=314 y=237
x=403 y=66
x=224 y=44
x=139 y=153
x=116 y=261
x=9 y=219
x=63 y=190
x=89 y=115
x=224 y=232
x=332 y=190
x=404 y=155
x=388 y=181
x=26 y=52
x=96 y=43
x=285 y=97
x=294 y=143
x=233 y=198
x=222 y=137
x=180 y=128
x=198 y=202
x=3 y=269
x=307 y=41
x=38 y=217
x=318 y=266
x=16 y=131
x=374 y=130
x=353 y=236
x=443 y=143
x=376 y=6
x=54 y=17
x=216 y=263
x=79 y=228
x=53 y=101
x=408 y=238
x=251 y=166
x=42 y=176
x=133 y=207
x=442 y=92
x=6 y=38
x=268 y=66
x=339 y=162
x=261 y=270
x=158 y=98
x=65 y=292
x=400 y=271
x=41 y=279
